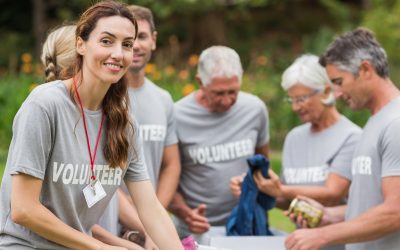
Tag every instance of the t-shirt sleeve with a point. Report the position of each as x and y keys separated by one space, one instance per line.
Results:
x=390 y=148
x=31 y=143
x=341 y=163
x=263 y=136
x=171 y=137
x=137 y=170
x=286 y=152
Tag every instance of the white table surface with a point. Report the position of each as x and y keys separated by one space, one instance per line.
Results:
x=249 y=242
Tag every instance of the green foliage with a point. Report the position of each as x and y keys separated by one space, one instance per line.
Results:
x=317 y=42
x=164 y=9
x=13 y=91
x=13 y=45
x=337 y=9
x=1 y=170
x=384 y=20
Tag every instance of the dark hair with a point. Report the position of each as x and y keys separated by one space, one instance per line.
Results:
x=350 y=49
x=116 y=102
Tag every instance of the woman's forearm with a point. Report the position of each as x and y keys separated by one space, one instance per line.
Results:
x=28 y=211
x=41 y=221
x=106 y=237
x=153 y=216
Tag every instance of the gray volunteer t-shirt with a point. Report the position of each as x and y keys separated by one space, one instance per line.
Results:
x=110 y=218
x=153 y=108
x=376 y=156
x=309 y=157
x=49 y=144
x=214 y=147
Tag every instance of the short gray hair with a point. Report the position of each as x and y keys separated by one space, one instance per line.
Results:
x=350 y=49
x=307 y=71
x=219 y=61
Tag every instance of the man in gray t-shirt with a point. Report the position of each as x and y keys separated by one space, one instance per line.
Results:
x=357 y=65
x=218 y=127
x=153 y=108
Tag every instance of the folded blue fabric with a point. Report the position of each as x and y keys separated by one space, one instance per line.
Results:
x=250 y=216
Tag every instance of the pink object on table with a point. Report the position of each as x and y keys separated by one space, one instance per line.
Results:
x=189 y=243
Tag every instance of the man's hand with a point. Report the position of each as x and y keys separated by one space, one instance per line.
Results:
x=196 y=220
x=305 y=239
x=236 y=185
x=270 y=186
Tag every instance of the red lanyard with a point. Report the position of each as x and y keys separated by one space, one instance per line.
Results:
x=92 y=158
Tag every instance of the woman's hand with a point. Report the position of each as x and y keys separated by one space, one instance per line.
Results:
x=327 y=216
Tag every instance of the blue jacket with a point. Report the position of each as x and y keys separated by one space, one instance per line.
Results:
x=250 y=217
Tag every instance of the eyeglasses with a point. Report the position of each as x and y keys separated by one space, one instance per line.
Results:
x=301 y=99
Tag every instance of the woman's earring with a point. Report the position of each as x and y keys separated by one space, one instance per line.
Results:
x=330 y=100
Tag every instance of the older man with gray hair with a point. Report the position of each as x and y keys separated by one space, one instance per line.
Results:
x=218 y=127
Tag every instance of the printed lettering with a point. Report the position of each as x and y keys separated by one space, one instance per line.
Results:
x=201 y=156
x=75 y=179
x=117 y=176
x=84 y=177
x=68 y=173
x=152 y=132
x=57 y=171
x=80 y=174
x=305 y=175
x=361 y=165
x=104 y=175
x=192 y=153
x=221 y=152
x=111 y=177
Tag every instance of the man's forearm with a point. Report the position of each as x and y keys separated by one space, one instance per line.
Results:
x=169 y=175
x=336 y=214
x=179 y=207
x=167 y=185
x=373 y=224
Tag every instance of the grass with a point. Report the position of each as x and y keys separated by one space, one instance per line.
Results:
x=277 y=219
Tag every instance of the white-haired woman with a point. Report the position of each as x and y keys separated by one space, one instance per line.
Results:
x=316 y=160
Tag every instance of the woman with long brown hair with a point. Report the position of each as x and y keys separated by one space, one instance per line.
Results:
x=74 y=142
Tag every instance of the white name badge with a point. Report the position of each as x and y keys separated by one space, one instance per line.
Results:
x=93 y=193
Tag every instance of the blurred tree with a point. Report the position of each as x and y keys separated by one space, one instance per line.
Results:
x=383 y=17
x=38 y=13
x=189 y=26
